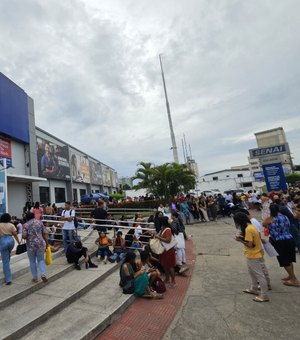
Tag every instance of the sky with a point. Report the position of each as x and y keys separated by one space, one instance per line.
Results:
x=92 y=68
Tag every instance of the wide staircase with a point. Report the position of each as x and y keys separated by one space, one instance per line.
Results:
x=72 y=305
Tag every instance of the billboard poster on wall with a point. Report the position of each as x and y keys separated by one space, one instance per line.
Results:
x=106 y=176
x=13 y=110
x=113 y=179
x=80 y=168
x=5 y=150
x=53 y=160
x=3 y=187
x=96 y=173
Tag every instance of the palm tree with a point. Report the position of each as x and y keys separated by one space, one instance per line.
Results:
x=142 y=174
x=165 y=180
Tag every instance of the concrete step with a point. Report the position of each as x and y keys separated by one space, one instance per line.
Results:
x=27 y=313
x=88 y=316
x=22 y=285
x=19 y=264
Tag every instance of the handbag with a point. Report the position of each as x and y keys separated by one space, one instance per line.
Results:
x=21 y=248
x=156 y=246
x=48 y=256
x=170 y=245
x=128 y=287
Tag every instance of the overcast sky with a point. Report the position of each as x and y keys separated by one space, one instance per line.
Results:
x=92 y=68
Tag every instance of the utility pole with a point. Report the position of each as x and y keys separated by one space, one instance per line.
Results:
x=174 y=147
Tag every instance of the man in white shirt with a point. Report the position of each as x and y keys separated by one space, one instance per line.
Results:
x=68 y=229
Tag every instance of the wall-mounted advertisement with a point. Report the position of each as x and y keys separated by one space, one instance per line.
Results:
x=96 y=173
x=113 y=179
x=53 y=160
x=13 y=110
x=5 y=150
x=106 y=176
x=80 y=168
x=3 y=187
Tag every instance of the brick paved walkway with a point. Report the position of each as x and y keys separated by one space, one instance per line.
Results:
x=150 y=319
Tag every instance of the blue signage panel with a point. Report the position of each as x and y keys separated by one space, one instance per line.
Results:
x=274 y=177
x=13 y=110
x=270 y=150
x=258 y=176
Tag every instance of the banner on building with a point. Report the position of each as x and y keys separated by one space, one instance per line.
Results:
x=80 y=168
x=5 y=150
x=96 y=173
x=106 y=176
x=113 y=179
x=3 y=187
x=274 y=177
x=53 y=159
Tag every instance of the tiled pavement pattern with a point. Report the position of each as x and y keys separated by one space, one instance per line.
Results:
x=149 y=319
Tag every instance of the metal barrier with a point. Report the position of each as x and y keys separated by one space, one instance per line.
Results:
x=113 y=225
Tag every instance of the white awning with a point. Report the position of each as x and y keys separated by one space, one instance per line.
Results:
x=24 y=178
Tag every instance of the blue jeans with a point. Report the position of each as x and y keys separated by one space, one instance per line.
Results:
x=68 y=237
x=118 y=256
x=36 y=257
x=6 y=246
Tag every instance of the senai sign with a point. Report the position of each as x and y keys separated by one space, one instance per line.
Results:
x=270 y=150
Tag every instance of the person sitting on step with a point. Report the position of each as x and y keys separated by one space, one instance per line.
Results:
x=75 y=251
x=119 y=248
x=103 y=243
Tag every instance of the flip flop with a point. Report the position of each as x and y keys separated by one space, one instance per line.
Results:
x=249 y=291
x=290 y=284
x=260 y=299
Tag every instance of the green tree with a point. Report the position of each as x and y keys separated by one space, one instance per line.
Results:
x=142 y=174
x=126 y=187
x=164 y=180
x=292 y=178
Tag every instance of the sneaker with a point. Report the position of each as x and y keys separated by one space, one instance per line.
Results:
x=77 y=266
x=93 y=265
x=8 y=283
x=86 y=265
x=44 y=279
x=111 y=260
x=34 y=280
x=183 y=269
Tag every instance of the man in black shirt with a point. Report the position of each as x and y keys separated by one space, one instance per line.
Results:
x=99 y=213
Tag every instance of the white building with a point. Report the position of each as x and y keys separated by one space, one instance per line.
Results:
x=236 y=178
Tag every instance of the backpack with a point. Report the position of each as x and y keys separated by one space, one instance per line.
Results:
x=75 y=220
x=158 y=285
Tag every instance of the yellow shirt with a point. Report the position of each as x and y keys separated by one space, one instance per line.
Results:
x=252 y=235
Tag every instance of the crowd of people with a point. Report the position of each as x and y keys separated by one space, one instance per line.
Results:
x=277 y=233
x=144 y=270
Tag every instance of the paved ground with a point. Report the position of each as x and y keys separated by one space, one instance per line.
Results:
x=149 y=319
x=215 y=307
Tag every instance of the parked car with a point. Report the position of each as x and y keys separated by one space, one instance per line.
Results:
x=208 y=193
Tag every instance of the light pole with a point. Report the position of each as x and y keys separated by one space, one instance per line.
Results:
x=174 y=147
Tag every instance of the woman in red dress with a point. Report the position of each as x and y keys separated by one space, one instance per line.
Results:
x=168 y=258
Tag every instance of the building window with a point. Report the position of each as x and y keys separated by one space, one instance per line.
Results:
x=44 y=195
x=247 y=184
x=97 y=191
x=240 y=175
x=60 y=195
x=215 y=178
x=82 y=192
